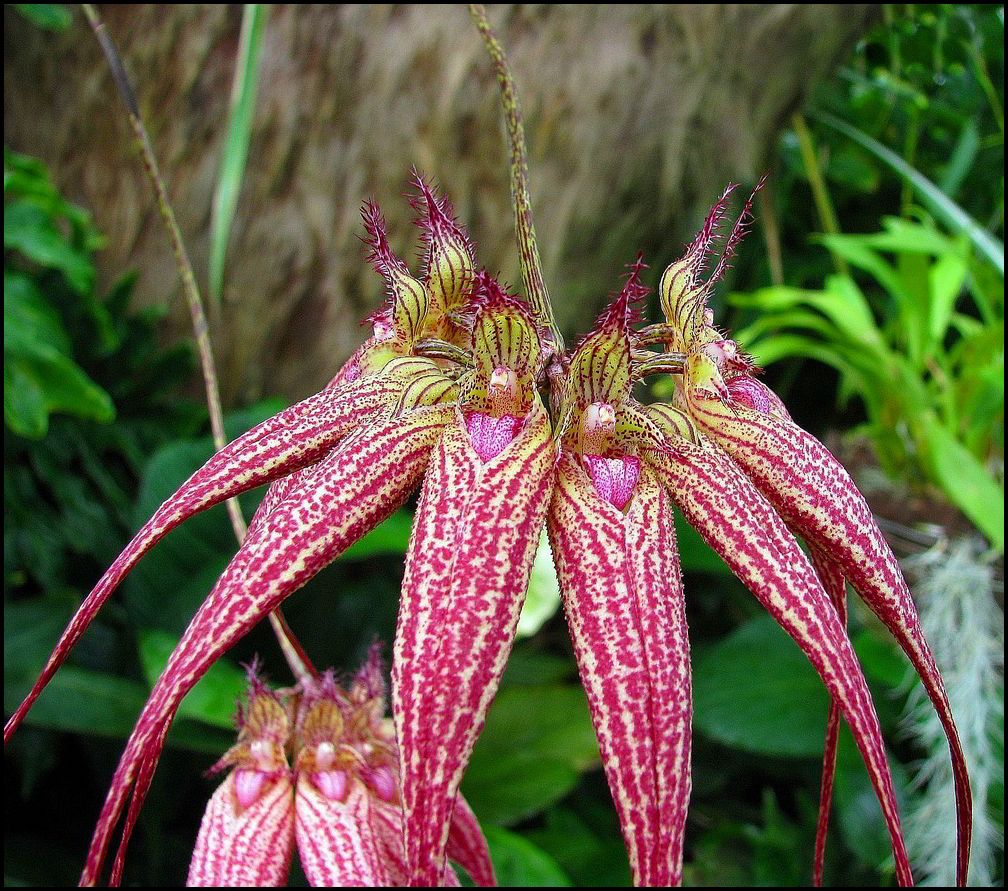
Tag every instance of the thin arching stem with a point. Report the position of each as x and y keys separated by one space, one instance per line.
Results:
x=528 y=249
x=292 y=649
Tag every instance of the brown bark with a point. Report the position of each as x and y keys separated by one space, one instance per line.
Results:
x=636 y=118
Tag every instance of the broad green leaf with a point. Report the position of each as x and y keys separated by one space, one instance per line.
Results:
x=586 y=843
x=945 y=281
x=215 y=696
x=50 y=16
x=965 y=481
x=39 y=380
x=518 y=863
x=28 y=316
x=28 y=229
x=756 y=691
x=536 y=743
x=78 y=700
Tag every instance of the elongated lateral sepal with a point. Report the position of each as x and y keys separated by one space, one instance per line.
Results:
x=349 y=493
x=740 y=525
x=813 y=492
x=294 y=438
x=622 y=590
x=833 y=581
x=467 y=571
x=467 y=846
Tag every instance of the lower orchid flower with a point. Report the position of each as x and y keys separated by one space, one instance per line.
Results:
x=317 y=767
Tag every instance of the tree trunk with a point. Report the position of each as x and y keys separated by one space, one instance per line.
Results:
x=636 y=118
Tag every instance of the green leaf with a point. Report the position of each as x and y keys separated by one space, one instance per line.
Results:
x=215 y=696
x=232 y=168
x=937 y=201
x=536 y=742
x=965 y=480
x=28 y=316
x=39 y=380
x=518 y=863
x=756 y=691
x=50 y=16
x=28 y=229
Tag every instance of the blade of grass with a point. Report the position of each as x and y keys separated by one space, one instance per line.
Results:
x=937 y=201
x=232 y=169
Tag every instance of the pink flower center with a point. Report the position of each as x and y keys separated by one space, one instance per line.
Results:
x=614 y=478
x=249 y=785
x=749 y=393
x=382 y=781
x=489 y=435
x=331 y=783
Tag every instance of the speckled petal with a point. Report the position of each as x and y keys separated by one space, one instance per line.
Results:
x=349 y=493
x=474 y=538
x=741 y=526
x=296 y=437
x=813 y=492
x=831 y=575
x=622 y=591
x=242 y=847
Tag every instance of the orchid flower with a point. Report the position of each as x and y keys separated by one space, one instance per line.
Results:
x=317 y=765
x=448 y=395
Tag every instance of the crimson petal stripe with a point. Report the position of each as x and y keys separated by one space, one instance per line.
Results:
x=245 y=847
x=293 y=438
x=741 y=526
x=831 y=576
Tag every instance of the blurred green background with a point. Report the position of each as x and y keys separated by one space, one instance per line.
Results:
x=872 y=289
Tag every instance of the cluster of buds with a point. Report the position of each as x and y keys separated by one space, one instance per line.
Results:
x=317 y=765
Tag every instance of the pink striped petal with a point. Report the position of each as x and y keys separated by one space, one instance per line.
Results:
x=622 y=590
x=350 y=492
x=814 y=493
x=467 y=845
x=241 y=846
x=336 y=840
x=466 y=574
x=742 y=527
x=295 y=437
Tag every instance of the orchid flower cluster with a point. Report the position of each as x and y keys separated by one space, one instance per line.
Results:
x=317 y=764
x=466 y=391
x=445 y=394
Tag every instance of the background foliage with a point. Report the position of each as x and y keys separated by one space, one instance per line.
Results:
x=901 y=309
